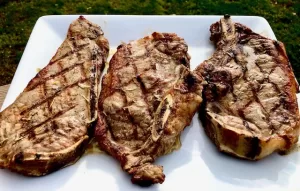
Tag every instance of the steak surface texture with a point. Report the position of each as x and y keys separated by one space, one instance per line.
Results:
x=148 y=97
x=250 y=99
x=48 y=125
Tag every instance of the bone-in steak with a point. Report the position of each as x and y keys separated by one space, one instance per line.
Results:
x=48 y=126
x=250 y=100
x=148 y=97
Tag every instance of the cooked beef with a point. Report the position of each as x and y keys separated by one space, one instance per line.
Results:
x=250 y=101
x=148 y=97
x=48 y=125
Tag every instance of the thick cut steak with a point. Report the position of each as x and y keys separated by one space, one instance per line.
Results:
x=250 y=100
x=148 y=97
x=48 y=126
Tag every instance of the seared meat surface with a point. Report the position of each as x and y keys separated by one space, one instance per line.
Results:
x=48 y=125
x=250 y=100
x=148 y=97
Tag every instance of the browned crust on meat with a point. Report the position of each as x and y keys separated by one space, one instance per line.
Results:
x=148 y=97
x=250 y=100
x=50 y=123
x=43 y=166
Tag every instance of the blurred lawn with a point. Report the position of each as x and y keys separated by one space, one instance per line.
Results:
x=17 y=18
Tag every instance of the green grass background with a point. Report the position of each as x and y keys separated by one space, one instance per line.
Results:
x=17 y=18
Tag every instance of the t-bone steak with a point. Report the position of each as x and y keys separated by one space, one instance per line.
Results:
x=48 y=125
x=148 y=97
x=250 y=101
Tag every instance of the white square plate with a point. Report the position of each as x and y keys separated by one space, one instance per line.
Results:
x=197 y=165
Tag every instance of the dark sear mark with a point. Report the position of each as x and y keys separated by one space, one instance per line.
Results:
x=30 y=129
x=19 y=158
x=260 y=117
x=254 y=147
x=54 y=95
x=190 y=80
x=246 y=124
x=42 y=136
x=159 y=63
x=37 y=156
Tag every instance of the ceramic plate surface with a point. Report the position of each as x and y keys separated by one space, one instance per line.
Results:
x=197 y=165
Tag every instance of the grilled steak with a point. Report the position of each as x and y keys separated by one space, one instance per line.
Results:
x=250 y=100
x=48 y=126
x=148 y=97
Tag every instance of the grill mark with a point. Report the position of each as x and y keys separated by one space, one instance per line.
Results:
x=241 y=110
x=260 y=69
x=235 y=54
x=38 y=140
x=62 y=57
x=20 y=156
x=254 y=149
x=43 y=80
x=276 y=89
x=63 y=76
x=292 y=107
x=53 y=127
x=73 y=41
x=142 y=86
x=75 y=49
x=265 y=111
x=246 y=124
x=226 y=59
x=131 y=118
x=3 y=143
x=276 y=106
x=128 y=115
x=169 y=53
x=49 y=101
x=239 y=51
x=278 y=92
x=135 y=125
x=60 y=66
x=54 y=95
x=254 y=92
x=144 y=92
x=27 y=132
x=65 y=80
x=82 y=71
x=280 y=49
x=134 y=79
x=105 y=92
